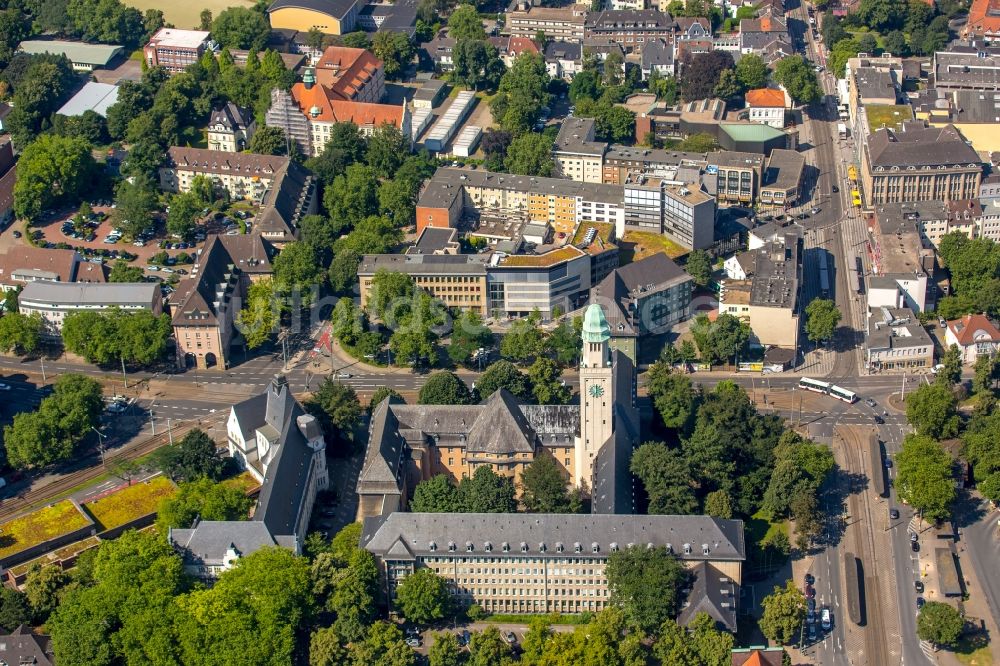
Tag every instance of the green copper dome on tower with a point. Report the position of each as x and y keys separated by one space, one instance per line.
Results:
x=595 y=326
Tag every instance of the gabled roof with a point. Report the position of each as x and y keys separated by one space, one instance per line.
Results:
x=713 y=593
x=500 y=427
x=384 y=455
x=973 y=328
x=344 y=71
x=25 y=262
x=233 y=118
x=316 y=104
x=207 y=542
x=656 y=52
x=22 y=646
x=916 y=145
x=984 y=17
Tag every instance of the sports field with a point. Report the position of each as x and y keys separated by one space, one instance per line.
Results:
x=186 y=13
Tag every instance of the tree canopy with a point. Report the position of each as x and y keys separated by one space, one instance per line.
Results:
x=645 y=584
x=924 y=477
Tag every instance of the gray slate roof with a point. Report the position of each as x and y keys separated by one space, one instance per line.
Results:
x=109 y=294
x=915 y=145
x=415 y=532
x=712 y=593
x=207 y=542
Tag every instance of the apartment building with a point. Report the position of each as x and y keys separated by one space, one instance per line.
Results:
x=54 y=301
x=205 y=304
x=452 y=193
x=975 y=335
x=548 y=563
x=782 y=178
x=918 y=163
x=175 y=49
x=578 y=154
x=458 y=280
x=622 y=162
x=895 y=341
x=284 y=190
x=739 y=176
x=645 y=297
x=308 y=113
x=768 y=299
x=630 y=28
x=230 y=128
x=560 y=23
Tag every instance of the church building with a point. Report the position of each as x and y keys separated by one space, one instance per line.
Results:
x=591 y=442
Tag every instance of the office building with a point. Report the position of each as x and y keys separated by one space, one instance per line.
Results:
x=782 y=178
x=271 y=437
x=458 y=280
x=561 y=23
x=896 y=341
x=902 y=264
x=918 y=163
x=643 y=298
x=543 y=563
x=175 y=49
x=739 y=176
x=591 y=442
x=54 y=300
x=975 y=68
x=768 y=298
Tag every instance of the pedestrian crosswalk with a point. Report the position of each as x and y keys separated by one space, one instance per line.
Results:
x=927 y=649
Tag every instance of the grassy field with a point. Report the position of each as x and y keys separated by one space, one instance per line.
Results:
x=39 y=526
x=130 y=503
x=186 y=14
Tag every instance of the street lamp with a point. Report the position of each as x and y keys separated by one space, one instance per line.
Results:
x=100 y=446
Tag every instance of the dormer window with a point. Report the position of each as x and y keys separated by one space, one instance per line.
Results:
x=432 y=546
x=541 y=548
x=595 y=548
x=505 y=547
x=488 y=547
x=468 y=546
x=524 y=547
x=577 y=548
x=687 y=549
x=559 y=547
x=451 y=546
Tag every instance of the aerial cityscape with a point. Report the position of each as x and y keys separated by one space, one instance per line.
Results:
x=460 y=332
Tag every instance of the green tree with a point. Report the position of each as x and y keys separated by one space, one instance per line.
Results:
x=465 y=24
x=521 y=94
x=487 y=492
x=523 y=341
x=714 y=647
x=20 y=333
x=386 y=149
x=468 y=335
x=798 y=77
x=336 y=406
x=939 y=623
x=702 y=72
x=423 y=597
x=325 y=648
x=883 y=15
x=380 y=394
x=53 y=170
x=783 y=613
x=504 y=375
x=477 y=64
x=564 y=342
x=436 y=495
x=394 y=49
x=645 y=583
x=841 y=52
x=382 y=646
x=138 y=337
x=136 y=201
x=985 y=375
x=268 y=140
x=44 y=587
x=673 y=395
x=822 y=317
x=297 y=272
x=343 y=272
x=699 y=267
x=951 y=373
x=729 y=336
x=547 y=383
x=352 y=197
x=488 y=648
x=241 y=28
x=445 y=651
x=751 y=71
x=718 y=504
x=544 y=488
x=260 y=316
x=895 y=43
x=800 y=466
x=530 y=154
x=924 y=477
x=729 y=87
x=666 y=477
x=204 y=499
x=345 y=147
x=444 y=388
x=14 y=608
x=931 y=410
x=674 y=645
x=194 y=457
x=122 y=272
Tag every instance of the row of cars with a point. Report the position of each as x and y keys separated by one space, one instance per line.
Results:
x=414 y=639
x=823 y=617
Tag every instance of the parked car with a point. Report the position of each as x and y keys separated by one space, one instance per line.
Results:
x=826 y=619
x=464 y=637
x=920 y=602
x=918 y=586
x=888 y=463
x=810 y=592
x=913 y=536
x=17 y=234
x=812 y=633
x=344 y=375
x=152 y=268
x=915 y=546
x=510 y=637
x=810 y=579
x=413 y=642
x=811 y=604
x=893 y=514
x=810 y=616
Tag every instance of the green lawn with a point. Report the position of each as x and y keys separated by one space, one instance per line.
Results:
x=636 y=245
x=759 y=529
x=888 y=115
x=974 y=651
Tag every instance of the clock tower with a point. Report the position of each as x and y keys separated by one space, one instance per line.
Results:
x=597 y=393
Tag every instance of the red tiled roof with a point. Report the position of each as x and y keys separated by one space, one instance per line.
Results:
x=769 y=97
x=519 y=45
x=315 y=104
x=343 y=71
x=27 y=258
x=984 y=17
x=972 y=327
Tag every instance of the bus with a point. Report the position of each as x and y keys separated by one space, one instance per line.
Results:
x=842 y=394
x=814 y=385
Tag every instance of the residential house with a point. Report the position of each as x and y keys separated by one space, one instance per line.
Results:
x=22 y=647
x=974 y=335
x=757 y=34
x=563 y=60
x=630 y=28
x=510 y=47
x=766 y=105
x=230 y=128
x=657 y=56
x=525 y=19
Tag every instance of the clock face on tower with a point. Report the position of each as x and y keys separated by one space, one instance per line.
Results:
x=596 y=390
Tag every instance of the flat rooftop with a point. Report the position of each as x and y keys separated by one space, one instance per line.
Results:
x=184 y=39
x=445 y=264
x=546 y=260
x=887 y=115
